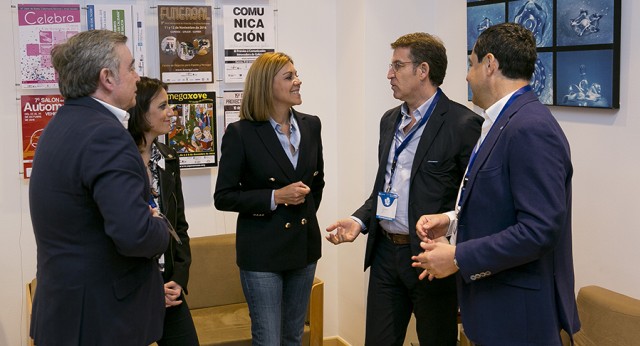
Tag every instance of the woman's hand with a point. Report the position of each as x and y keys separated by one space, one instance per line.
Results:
x=293 y=194
x=172 y=292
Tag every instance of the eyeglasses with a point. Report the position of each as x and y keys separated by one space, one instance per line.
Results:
x=396 y=65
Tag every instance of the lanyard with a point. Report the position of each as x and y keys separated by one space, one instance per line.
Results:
x=407 y=139
x=472 y=160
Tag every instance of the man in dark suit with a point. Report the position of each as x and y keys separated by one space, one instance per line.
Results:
x=511 y=230
x=424 y=148
x=97 y=239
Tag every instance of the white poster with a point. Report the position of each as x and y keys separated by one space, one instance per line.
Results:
x=232 y=102
x=248 y=32
x=41 y=26
x=125 y=19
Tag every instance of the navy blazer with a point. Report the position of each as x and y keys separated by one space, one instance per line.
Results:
x=516 y=281
x=252 y=165
x=177 y=258
x=438 y=166
x=98 y=280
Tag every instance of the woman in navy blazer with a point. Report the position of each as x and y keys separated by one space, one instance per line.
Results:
x=271 y=174
x=150 y=118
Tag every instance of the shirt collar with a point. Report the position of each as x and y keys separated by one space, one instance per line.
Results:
x=122 y=115
x=418 y=112
x=292 y=122
x=494 y=110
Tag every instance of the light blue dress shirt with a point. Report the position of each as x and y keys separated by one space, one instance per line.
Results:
x=290 y=145
x=401 y=180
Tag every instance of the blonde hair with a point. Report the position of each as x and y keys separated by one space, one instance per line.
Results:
x=257 y=100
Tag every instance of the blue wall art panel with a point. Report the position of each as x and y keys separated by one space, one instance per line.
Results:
x=535 y=15
x=585 y=22
x=479 y=18
x=577 y=41
x=584 y=78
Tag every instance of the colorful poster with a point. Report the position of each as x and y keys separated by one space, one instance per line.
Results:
x=193 y=128
x=248 y=32
x=37 y=110
x=41 y=26
x=232 y=102
x=125 y=19
x=185 y=44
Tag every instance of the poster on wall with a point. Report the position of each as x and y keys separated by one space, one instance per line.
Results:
x=193 y=126
x=185 y=44
x=41 y=26
x=36 y=111
x=124 y=19
x=232 y=102
x=248 y=32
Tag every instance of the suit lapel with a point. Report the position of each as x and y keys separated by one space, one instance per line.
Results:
x=268 y=136
x=386 y=138
x=490 y=141
x=166 y=177
x=305 y=140
x=433 y=125
x=167 y=184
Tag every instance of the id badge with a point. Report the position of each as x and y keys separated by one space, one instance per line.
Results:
x=387 y=205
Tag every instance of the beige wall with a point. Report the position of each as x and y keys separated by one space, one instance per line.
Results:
x=341 y=49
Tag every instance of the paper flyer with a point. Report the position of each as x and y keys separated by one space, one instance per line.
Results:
x=185 y=44
x=248 y=32
x=193 y=128
x=36 y=111
x=124 y=19
x=232 y=102
x=41 y=26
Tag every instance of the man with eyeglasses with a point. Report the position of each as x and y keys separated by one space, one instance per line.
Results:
x=424 y=148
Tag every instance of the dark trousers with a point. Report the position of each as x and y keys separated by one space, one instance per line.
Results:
x=395 y=292
x=178 y=327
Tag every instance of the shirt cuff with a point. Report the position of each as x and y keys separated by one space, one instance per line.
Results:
x=273 y=200
x=362 y=226
x=453 y=222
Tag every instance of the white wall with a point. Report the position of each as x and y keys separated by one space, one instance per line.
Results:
x=341 y=49
x=605 y=148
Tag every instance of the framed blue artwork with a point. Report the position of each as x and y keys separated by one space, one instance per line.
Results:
x=542 y=80
x=537 y=16
x=479 y=18
x=584 y=78
x=578 y=43
x=585 y=22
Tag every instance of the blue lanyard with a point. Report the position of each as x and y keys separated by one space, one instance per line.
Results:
x=513 y=97
x=407 y=139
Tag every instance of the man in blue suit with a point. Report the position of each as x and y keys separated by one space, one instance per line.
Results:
x=97 y=273
x=510 y=245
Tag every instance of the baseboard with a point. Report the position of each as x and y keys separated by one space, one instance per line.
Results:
x=334 y=341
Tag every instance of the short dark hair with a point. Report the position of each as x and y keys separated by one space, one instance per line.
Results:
x=513 y=46
x=427 y=48
x=148 y=88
